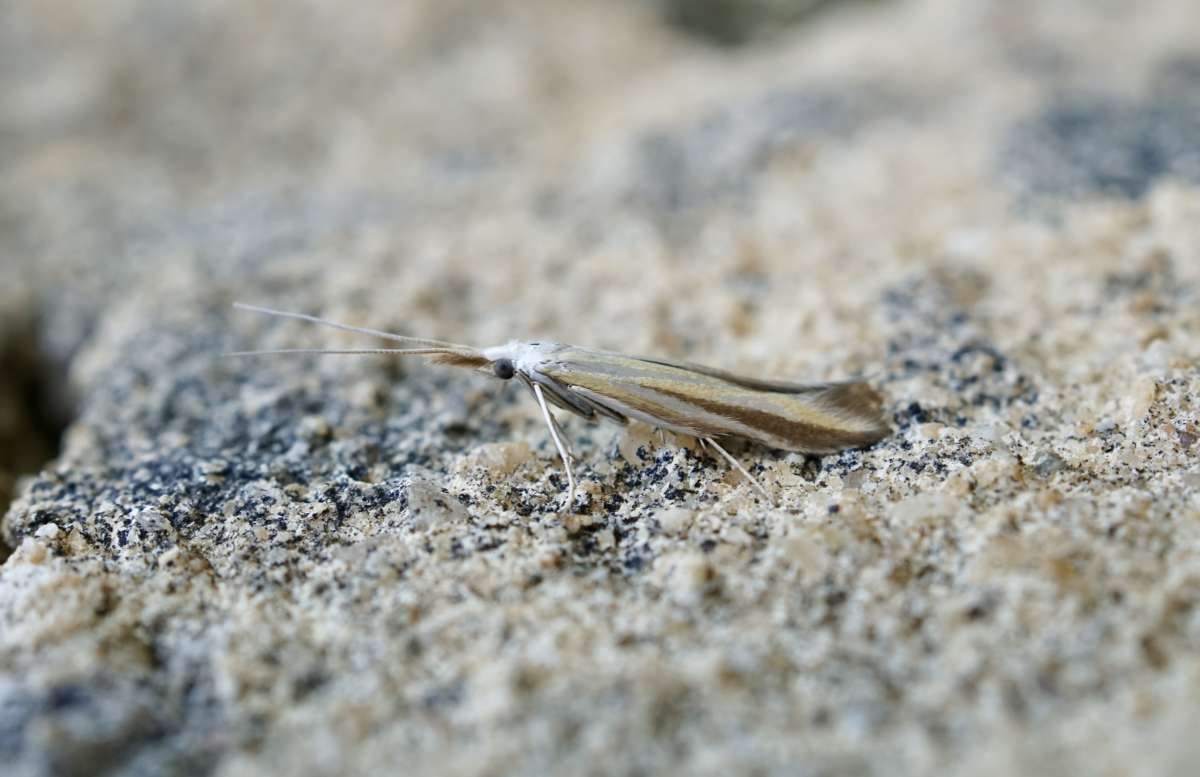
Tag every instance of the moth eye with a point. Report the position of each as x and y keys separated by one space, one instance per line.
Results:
x=503 y=368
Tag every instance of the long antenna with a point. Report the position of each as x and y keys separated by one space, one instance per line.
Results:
x=397 y=351
x=422 y=341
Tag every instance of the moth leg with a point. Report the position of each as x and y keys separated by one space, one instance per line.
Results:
x=563 y=436
x=735 y=464
x=552 y=423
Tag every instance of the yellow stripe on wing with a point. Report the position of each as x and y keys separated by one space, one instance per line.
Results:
x=813 y=418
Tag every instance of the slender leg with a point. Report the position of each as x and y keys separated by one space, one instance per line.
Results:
x=736 y=465
x=558 y=443
x=563 y=436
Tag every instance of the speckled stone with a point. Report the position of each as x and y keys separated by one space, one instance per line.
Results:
x=337 y=565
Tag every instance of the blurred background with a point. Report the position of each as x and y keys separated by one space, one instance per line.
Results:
x=988 y=208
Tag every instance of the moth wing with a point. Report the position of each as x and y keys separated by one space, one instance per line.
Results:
x=707 y=402
x=854 y=395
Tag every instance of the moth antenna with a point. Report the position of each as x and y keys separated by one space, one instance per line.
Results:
x=419 y=341
x=393 y=351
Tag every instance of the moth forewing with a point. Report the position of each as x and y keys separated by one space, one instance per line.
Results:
x=811 y=418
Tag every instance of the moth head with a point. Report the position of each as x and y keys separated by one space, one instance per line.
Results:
x=517 y=357
x=504 y=361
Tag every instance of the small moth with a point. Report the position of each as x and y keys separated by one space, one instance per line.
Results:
x=679 y=397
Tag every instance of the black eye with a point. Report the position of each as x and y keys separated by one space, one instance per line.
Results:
x=503 y=368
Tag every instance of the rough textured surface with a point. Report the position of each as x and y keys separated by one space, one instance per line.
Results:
x=315 y=566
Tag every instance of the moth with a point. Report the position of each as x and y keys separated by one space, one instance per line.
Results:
x=687 y=399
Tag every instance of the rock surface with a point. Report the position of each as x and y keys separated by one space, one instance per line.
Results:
x=316 y=566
